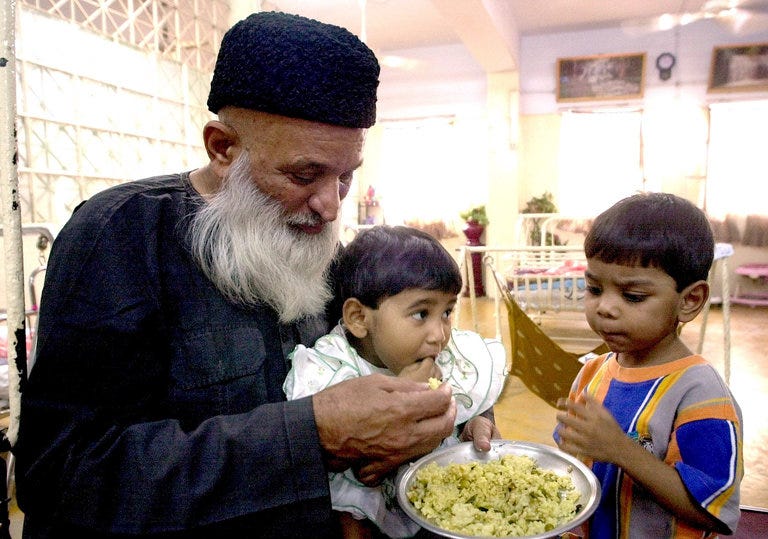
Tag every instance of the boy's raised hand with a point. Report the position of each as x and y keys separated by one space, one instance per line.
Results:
x=588 y=430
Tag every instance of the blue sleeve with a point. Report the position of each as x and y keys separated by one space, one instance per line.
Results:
x=710 y=467
x=708 y=450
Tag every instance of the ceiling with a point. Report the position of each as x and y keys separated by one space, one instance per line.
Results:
x=489 y=30
x=402 y=24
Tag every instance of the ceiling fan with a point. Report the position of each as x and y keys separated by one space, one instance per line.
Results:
x=738 y=17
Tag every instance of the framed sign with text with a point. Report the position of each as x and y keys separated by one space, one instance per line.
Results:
x=601 y=77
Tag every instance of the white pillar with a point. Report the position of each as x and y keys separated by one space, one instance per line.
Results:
x=11 y=215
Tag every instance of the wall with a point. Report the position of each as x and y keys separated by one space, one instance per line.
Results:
x=540 y=121
x=92 y=112
x=691 y=44
x=535 y=156
x=434 y=85
x=539 y=147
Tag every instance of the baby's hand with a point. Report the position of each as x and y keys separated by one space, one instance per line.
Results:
x=481 y=431
x=422 y=371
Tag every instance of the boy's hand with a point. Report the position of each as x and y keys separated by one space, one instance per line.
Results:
x=588 y=430
x=421 y=371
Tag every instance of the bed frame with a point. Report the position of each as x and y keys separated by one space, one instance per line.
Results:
x=544 y=281
x=549 y=281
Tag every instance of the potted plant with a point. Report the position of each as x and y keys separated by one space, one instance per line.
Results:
x=475 y=214
x=476 y=220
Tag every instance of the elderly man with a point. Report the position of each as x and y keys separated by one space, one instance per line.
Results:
x=155 y=405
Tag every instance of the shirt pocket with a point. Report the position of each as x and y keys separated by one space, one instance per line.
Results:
x=218 y=371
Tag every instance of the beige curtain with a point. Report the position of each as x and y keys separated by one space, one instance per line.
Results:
x=756 y=231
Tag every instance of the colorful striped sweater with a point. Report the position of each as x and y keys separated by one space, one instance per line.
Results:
x=682 y=412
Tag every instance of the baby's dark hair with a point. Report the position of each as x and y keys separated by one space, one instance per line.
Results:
x=657 y=230
x=385 y=260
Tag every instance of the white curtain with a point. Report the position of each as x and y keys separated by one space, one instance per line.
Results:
x=431 y=170
x=737 y=178
x=599 y=160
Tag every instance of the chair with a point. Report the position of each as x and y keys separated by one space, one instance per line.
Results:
x=546 y=369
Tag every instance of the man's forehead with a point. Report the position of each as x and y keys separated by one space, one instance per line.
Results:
x=254 y=122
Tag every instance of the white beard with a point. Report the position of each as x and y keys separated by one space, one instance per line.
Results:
x=243 y=242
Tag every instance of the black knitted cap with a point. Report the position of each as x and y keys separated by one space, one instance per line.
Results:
x=298 y=67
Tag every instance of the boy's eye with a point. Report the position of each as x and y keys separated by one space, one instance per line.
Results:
x=593 y=290
x=447 y=313
x=634 y=298
x=420 y=315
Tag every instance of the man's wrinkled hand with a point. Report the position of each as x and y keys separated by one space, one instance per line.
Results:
x=375 y=423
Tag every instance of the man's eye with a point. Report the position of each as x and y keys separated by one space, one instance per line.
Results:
x=302 y=179
x=346 y=179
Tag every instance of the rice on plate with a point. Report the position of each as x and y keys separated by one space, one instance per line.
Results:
x=517 y=489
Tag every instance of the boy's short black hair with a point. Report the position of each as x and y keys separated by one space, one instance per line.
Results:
x=385 y=260
x=657 y=230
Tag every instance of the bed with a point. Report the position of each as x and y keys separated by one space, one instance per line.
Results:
x=548 y=281
x=544 y=281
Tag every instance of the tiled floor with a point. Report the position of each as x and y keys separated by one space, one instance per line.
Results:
x=523 y=416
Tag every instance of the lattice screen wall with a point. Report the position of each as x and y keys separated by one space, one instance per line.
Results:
x=109 y=91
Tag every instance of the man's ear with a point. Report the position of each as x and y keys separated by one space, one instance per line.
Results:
x=220 y=141
x=353 y=313
x=692 y=300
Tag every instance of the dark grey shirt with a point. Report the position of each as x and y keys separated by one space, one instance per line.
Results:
x=155 y=405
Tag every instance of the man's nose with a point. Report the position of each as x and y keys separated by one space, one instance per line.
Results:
x=326 y=199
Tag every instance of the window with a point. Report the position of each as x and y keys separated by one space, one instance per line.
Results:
x=186 y=32
x=431 y=170
x=599 y=160
x=736 y=179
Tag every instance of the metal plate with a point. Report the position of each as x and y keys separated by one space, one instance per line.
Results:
x=548 y=458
